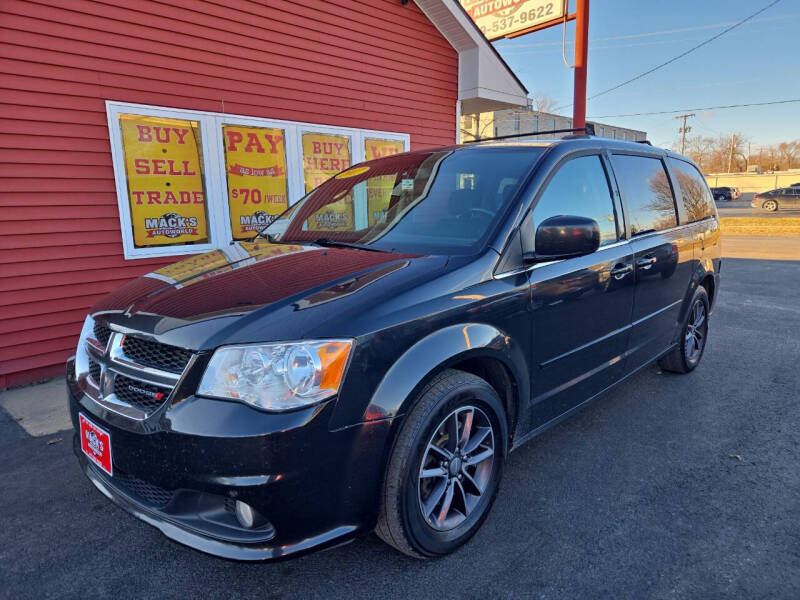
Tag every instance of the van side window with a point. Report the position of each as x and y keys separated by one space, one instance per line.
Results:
x=647 y=193
x=694 y=192
x=580 y=188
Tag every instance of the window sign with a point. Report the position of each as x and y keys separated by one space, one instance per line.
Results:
x=323 y=157
x=255 y=166
x=166 y=189
x=379 y=189
x=190 y=182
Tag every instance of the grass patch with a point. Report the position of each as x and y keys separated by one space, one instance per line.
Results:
x=760 y=226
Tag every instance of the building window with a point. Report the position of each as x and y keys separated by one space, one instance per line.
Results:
x=516 y=122
x=535 y=123
x=190 y=181
x=553 y=125
x=602 y=132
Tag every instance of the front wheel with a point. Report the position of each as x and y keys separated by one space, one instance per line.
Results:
x=694 y=334
x=770 y=205
x=445 y=467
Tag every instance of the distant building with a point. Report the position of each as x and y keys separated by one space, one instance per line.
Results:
x=521 y=121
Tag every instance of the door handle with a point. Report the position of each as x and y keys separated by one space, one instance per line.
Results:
x=620 y=270
x=646 y=262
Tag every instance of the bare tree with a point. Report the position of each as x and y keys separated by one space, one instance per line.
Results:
x=541 y=102
x=787 y=153
x=700 y=150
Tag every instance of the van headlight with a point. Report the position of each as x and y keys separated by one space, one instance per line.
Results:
x=277 y=377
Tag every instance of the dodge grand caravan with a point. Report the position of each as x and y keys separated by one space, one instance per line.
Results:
x=369 y=359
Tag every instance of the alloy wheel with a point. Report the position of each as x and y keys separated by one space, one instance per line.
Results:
x=696 y=330
x=456 y=468
x=770 y=205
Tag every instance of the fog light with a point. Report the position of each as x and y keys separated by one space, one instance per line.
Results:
x=248 y=516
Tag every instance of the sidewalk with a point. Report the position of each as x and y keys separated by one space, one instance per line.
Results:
x=40 y=409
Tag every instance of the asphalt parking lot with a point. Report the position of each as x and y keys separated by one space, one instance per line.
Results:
x=669 y=487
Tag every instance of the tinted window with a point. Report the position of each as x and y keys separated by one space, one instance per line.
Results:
x=434 y=202
x=694 y=192
x=647 y=193
x=580 y=188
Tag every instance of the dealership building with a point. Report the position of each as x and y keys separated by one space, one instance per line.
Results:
x=136 y=134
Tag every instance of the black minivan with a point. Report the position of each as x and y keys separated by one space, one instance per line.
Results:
x=324 y=380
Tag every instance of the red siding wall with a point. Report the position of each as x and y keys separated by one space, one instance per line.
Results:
x=358 y=63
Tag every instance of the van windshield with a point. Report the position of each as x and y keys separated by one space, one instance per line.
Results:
x=434 y=202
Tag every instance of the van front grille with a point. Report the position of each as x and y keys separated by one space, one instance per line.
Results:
x=146 y=397
x=94 y=371
x=155 y=354
x=102 y=333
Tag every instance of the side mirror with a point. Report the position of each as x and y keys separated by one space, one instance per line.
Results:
x=564 y=236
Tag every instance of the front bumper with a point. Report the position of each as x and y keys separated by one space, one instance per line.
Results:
x=183 y=469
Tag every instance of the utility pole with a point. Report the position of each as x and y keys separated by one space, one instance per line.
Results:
x=730 y=156
x=684 y=130
x=581 y=60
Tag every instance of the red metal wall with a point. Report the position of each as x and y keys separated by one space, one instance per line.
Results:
x=358 y=63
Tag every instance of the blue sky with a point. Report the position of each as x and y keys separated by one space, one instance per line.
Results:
x=756 y=62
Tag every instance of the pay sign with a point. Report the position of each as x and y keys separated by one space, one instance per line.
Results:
x=255 y=162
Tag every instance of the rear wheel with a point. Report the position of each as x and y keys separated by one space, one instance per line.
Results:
x=445 y=467
x=770 y=205
x=694 y=334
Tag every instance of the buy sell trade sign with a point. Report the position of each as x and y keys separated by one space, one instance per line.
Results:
x=165 y=180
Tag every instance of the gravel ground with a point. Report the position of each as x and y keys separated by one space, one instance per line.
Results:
x=668 y=487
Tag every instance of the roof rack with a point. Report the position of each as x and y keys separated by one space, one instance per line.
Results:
x=588 y=130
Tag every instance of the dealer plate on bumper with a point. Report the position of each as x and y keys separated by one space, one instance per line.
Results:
x=95 y=444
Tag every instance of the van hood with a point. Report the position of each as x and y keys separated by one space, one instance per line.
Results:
x=192 y=302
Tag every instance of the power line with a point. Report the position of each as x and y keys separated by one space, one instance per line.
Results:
x=669 y=112
x=672 y=60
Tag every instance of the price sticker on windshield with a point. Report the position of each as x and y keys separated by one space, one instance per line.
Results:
x=406 y=185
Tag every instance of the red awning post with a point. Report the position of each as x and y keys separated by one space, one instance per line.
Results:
x=581 y=60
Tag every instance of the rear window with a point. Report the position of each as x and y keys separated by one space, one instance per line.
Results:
x=695 y=196
x=647 y=193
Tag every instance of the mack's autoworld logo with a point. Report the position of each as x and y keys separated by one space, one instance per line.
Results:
x=95 y=445
x=143 y=392
x=171 y=226
x=255 y=222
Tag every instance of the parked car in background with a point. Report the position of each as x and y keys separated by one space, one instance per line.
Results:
x=723 y=193
x=778 y=198
x=371 y=360
x=795 y=184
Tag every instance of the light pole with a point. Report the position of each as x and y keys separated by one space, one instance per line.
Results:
x=581 y=60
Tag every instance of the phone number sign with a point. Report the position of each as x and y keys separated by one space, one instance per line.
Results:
x=499 y=18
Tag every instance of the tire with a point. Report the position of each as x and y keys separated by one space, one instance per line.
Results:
x=692 y=343
x=770 y=205
x=720 y=198
x=443 y=405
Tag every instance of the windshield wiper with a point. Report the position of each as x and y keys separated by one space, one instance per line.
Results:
x=267 y=236
x=328 y=242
